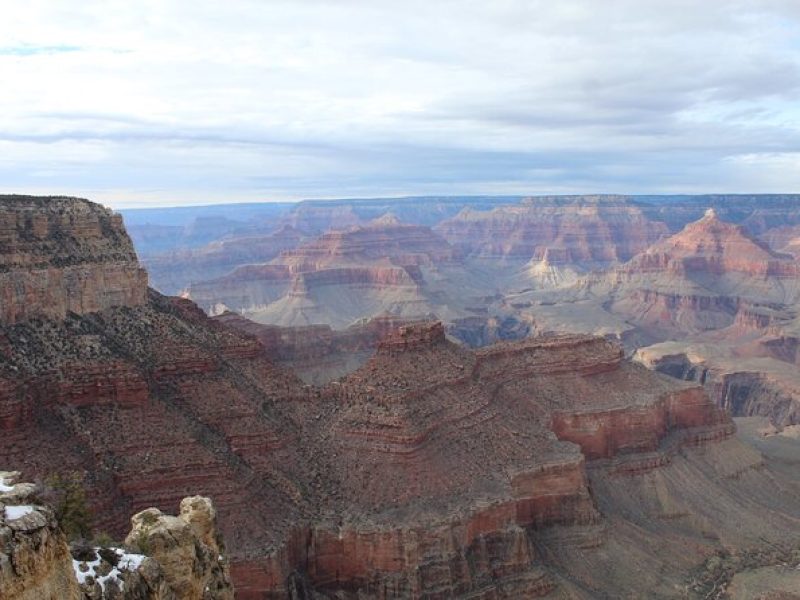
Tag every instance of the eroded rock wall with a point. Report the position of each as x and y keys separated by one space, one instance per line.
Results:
x=35 y=562
x=60 y=255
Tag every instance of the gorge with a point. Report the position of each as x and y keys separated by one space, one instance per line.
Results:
x=551 y=466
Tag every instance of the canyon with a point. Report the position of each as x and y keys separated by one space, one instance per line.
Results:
x=337 y=279
x=550 y=466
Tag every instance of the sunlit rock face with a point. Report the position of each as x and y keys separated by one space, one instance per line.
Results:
x=60 y=255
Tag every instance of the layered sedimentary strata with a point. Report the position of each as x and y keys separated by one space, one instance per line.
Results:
x=581 y=230
x=293 y=469
x=60 y=255
x=172 y=272
x=430 y=471
x=469 y=445
x=341 y=277
x=715 y=247
x=701 y=278
x=385 y=238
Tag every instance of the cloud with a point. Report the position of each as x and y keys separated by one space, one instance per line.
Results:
x=177 y=101
x=26 y=50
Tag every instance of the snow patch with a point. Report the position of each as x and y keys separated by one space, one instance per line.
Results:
x=127 y=562
x=4 y=487
x=17 y=512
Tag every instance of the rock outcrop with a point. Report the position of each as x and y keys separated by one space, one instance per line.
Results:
x=430 y=471
x=60 y=255
x=187 y=548
x=176 y=558
x=581 y=230
x=337 y=279
x=35 y=563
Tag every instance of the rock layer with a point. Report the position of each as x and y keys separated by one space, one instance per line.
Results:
x=35 y=563
x=578 y=230
x=60 y=255
x=430 y=471
x=701 y=278
x=337 y=279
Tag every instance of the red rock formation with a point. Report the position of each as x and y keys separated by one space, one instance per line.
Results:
x=401 y=244
x=431 y=471
x=701 y=278
x=574 y=229
x=714 y=247
x=369 y=269
x=60 y=255
x=607 y=433
x=172 y=272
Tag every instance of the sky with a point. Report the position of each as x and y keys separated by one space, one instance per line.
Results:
x=163 y=103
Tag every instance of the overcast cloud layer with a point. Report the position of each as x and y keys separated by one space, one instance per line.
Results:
x=163 y=103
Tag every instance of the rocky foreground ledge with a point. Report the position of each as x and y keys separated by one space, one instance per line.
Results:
x=163 y=558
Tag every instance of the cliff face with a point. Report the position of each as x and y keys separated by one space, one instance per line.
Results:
x=744 y=387
x=430 y=471
x=35 y=563
x=579 y=230
x=337 y=279
x=60 y=255
x=702 y=277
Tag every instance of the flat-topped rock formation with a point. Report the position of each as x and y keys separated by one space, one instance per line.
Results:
x=582 y=229
x=430 y=471
x=60 y=255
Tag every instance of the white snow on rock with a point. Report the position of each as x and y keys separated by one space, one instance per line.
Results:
x=5 y=487
x=127 y=562
x=17 y=512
